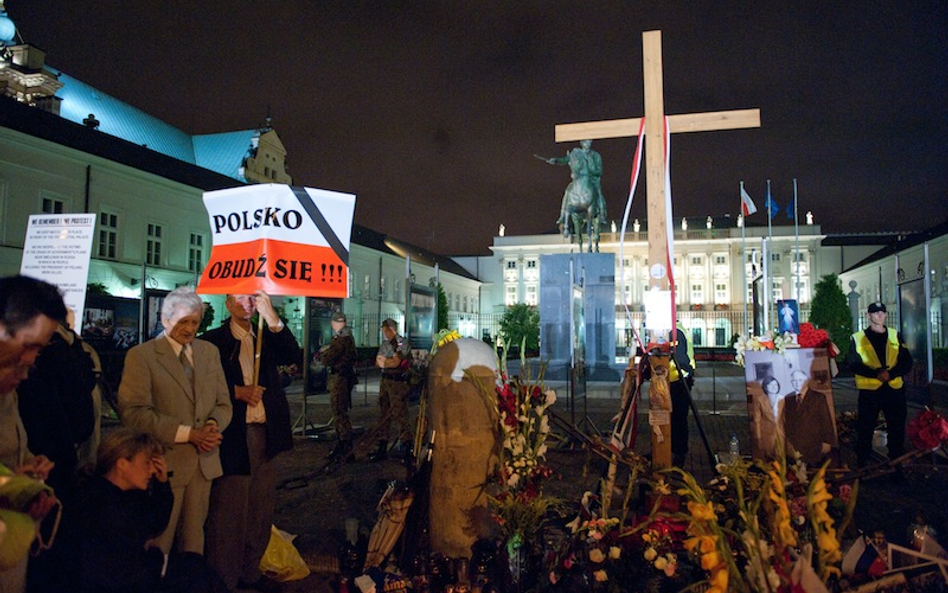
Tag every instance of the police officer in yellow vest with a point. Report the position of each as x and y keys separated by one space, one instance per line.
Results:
x=879 y=360
x=680 y=394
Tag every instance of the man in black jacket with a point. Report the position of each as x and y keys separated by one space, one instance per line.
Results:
x=242 y=500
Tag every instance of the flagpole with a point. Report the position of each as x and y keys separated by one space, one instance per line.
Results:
x=796 y=233
x=768 y=282
x=743 y=258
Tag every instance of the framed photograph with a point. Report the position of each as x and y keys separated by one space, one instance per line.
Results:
x=790 y=402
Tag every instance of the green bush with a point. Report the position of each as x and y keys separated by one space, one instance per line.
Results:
x=830 y=311
x=520 y=325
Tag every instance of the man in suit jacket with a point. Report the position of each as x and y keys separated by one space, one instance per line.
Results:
x=808 y=422
x=173 y=387
x=243 y=499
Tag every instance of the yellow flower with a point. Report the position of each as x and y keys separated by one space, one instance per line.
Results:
x=615 y=552
x=600 y=576
x=650 y=554
x=701 y=512
x=661 y=562
x=718 y=582
x=704 y=543
x=710 y=560
x=662 y=487
x=596 y=555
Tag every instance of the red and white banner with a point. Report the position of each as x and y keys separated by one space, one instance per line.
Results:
x=285 y=240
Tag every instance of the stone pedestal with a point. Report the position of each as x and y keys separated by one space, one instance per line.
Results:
x=556 y=302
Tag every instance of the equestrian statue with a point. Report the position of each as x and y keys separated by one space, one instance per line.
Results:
x=583 y=208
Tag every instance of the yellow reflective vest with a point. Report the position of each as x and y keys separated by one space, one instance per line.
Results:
x=673 y=373
x=869 y=357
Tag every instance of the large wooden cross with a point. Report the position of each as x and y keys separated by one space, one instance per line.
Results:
x=655 y=164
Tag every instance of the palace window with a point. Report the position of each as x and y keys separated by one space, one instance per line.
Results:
x=511 y=264
x=697 y=294
x=510 y=295
x=720 y=260
x=195 y=252
x=720 y=294
x=153 y=241
x=531 y=263
x=531 y=295
x=53 y=206
x=108 y=235
x=697 y=260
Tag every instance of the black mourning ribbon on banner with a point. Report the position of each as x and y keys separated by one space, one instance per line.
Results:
x=321 y=223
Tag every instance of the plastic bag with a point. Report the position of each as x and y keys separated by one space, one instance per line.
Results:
x=282 y=561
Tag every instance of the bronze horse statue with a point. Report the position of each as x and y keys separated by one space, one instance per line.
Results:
x=584 y=207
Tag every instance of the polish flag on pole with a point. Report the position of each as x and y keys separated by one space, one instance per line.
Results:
x=747 y=204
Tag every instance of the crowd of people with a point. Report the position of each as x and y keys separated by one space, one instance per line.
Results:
x=181 y=497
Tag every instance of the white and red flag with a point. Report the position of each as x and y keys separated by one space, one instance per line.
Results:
x=747 y=204
x=285 y=240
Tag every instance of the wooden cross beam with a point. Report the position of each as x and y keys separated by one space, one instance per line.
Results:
x=658 y=255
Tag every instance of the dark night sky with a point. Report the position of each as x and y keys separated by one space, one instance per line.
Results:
x=430 y=112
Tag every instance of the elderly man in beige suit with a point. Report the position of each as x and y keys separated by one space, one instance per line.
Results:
x=173 y=387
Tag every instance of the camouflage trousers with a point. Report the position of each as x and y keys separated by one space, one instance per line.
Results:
x=340 y=400
x=393 y=408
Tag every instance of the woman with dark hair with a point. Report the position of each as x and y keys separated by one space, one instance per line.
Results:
x=766 y=412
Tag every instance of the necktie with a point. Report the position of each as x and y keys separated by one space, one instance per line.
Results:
x=186 y=363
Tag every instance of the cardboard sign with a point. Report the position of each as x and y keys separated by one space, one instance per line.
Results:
x=57 y=249
x=285 y=240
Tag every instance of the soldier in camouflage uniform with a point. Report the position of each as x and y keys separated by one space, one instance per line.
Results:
x=394 y=358
x=339 y=356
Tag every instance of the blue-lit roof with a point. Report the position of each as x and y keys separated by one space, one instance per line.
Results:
x=120 y=119
x=222 y=153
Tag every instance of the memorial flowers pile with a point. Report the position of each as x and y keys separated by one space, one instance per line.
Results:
x=766 y=526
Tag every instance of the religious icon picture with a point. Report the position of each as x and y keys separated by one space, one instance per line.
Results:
x=788 y=314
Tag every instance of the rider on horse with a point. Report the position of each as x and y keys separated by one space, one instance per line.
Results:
x=583 y=201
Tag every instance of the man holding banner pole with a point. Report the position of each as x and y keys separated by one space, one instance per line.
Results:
x=243 y=499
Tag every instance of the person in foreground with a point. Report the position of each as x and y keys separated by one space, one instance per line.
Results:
x=173 y=387
x=244 y=498
x=880 y=360
x=29 y=309
x=119 y=509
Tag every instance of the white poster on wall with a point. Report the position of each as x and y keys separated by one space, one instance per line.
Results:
x=58 y=249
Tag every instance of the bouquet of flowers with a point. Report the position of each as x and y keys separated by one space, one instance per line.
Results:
x=515 y=485
x=928 y=430
x=811 y=337
x=765 y=342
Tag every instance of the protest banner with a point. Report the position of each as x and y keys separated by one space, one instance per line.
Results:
x=57 y=249
x=285 y=240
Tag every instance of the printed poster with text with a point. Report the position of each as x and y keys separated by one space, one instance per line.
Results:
x=57 y=249
x=285 y=240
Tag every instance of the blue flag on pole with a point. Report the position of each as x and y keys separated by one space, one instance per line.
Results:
x=771 y=205
x=792 y=209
